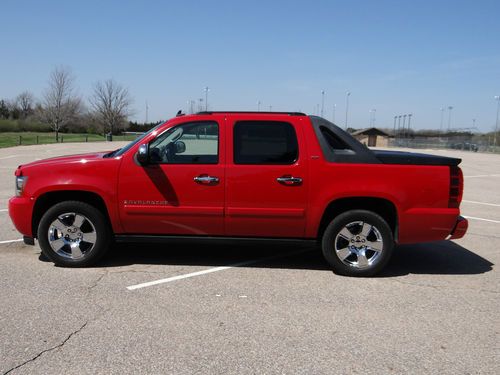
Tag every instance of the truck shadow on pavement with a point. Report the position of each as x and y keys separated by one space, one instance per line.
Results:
x=444 y=257
x=435 y=258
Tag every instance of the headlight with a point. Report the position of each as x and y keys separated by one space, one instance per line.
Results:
x=20 y=183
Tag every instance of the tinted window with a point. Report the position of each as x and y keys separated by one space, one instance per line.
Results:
x=265 y=142
x=334 y=141
x=190 y=143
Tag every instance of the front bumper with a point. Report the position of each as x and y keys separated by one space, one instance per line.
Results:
x=21 y=212
x=460 y=228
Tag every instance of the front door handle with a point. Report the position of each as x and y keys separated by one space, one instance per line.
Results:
x=205 y=179
x=289 y=180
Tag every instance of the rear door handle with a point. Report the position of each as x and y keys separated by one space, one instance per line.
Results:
x=205 y=179
x=289 y=180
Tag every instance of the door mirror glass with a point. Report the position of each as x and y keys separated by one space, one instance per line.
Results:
x=142 y=154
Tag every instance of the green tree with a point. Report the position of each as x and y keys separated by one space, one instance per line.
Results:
x=4 y=109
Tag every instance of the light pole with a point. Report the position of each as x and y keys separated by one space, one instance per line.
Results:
x=497 y=98
x=258 y=106
x=399 y=124
x=372 y=117
x=409 y=123
x=404 y=122
x=347 y=94
x=333 y=114
x=449 y=117
x=441 y=123
x=206 y=89
x=322 y=102
x=395 y=117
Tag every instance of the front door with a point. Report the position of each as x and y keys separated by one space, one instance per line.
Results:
x=266 y=177
x=181 y=190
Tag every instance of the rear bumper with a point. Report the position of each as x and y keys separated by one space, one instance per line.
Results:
x=430 y=224
x=20 y=211
x=460 y=228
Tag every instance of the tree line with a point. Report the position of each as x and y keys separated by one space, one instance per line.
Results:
x=62 y=109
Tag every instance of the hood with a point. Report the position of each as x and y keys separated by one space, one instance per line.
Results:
x=69 y=159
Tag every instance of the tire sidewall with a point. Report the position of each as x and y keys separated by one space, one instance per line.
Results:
x=93 y=214
x=336 y=225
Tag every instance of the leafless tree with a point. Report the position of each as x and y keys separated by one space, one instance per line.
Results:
x=60 y=103
x=111 y=103
x=24 y=102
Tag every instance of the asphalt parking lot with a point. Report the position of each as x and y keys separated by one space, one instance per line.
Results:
x=252 y=308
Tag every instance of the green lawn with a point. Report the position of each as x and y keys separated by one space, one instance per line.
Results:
x=31 y=138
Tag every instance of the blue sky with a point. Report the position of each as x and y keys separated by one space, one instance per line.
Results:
x=395 y=56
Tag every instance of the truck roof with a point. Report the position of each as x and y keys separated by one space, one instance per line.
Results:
x=252 y=112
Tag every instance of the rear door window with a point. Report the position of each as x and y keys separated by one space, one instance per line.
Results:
x=265 y=142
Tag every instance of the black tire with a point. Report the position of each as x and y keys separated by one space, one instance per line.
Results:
x=81 y=245
x=360 y=257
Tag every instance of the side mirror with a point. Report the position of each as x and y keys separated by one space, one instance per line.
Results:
x=142 y=154
x=180 y=147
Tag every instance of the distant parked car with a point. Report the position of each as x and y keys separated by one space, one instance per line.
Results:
x=466 y=146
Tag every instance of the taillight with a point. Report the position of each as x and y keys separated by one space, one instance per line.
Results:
x=456 y=187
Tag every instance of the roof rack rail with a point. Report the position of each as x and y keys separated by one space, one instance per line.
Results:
x=253 y=112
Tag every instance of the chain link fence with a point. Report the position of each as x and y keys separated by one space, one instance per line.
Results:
x=471 y=143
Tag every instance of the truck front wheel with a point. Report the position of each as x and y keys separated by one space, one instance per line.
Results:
x=73 y=234
x=357 y=243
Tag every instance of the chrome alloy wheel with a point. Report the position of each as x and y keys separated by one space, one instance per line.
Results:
x=72 y=235
x=359 y=245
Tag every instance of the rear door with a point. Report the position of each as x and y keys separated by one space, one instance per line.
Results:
x=266 y=176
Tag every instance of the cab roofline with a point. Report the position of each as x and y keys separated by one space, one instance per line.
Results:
x=252 y=112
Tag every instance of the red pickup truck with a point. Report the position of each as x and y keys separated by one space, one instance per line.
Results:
x=241 y=175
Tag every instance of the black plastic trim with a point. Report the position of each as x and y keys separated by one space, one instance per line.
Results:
x=359 y=153
x=412 y=158
x=29 y=240
x=140 y=238
x=356 y=152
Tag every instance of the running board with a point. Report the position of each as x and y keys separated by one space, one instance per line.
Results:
x=127 y=238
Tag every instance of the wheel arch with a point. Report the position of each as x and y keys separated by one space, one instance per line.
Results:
x=49 y=199
x=381 y=206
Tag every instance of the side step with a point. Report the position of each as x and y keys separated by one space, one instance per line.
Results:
x=136 y=238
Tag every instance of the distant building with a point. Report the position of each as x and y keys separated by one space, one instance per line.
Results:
x=372 y=137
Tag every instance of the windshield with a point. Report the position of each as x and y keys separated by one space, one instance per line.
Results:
x=122 y=150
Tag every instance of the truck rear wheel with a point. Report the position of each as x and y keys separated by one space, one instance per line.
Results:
x=73 y=234
x=357 y=243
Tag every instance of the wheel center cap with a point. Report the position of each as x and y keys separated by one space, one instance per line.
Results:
x=73 y=234
x=358 y=241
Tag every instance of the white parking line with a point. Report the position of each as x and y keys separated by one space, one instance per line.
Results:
x=10 y=241
x=211 y=270
x=482 y=219
x=483 y=203
x=4 y=210
x=9 y=157
x=483 y=175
